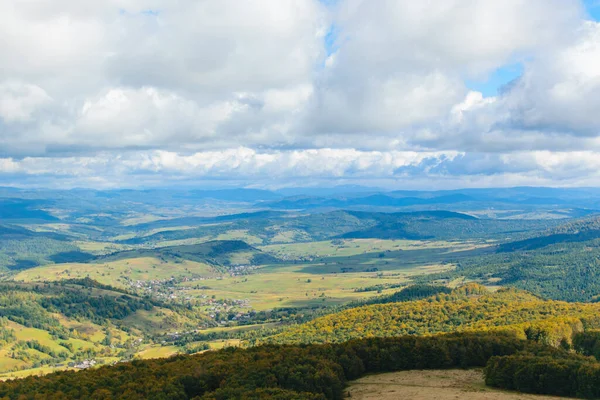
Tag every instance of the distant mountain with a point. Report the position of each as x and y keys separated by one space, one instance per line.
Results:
x=374 y=200
x=557 y=199
x=219 y=253
x=191 y=221
x=575 y=231
x=243 y=195
x=22 y=209
x=346 y=190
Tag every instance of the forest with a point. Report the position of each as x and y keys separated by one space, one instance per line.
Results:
x=468 y=308
x=320 y=371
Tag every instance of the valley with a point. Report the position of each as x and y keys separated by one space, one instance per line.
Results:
x=84 y=288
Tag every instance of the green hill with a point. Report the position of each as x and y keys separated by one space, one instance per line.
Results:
x=53 y=324
x=219 y=253
x=271 y=227
x=22 y=248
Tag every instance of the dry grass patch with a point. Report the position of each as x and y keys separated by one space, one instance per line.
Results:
x=431 y=384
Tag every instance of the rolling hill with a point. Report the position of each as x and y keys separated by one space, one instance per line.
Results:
x=469 y=308
x=269 y=227
x=53 y=324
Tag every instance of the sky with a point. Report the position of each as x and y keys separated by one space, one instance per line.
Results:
x=280 y=93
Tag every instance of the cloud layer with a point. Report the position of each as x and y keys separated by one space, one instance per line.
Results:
x=134 y=92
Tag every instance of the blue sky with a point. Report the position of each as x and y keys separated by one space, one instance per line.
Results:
x=593 y=9
x=492 y=84
x=496 y=80
x=504 y=75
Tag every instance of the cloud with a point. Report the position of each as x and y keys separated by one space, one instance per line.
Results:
x=118 y=89
x=403 y=63
x=18 y=101
x=272 y=169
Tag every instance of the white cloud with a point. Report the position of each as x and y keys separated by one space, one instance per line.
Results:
x=224 y=89
x=403 y=63
x=278 y=168
x=18 y=101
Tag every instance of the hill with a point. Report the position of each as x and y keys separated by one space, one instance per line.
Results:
x=156 y=270
x=465 y=309
x=269 y=227
x=318 y=372
x=559 y=263
x=52 y=325
x=19 y=210
x=571 y=232
x=219 y=253
x=22 y=248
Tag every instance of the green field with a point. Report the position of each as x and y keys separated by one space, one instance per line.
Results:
x=289 y=286
x=353 y=247
x=117 y=273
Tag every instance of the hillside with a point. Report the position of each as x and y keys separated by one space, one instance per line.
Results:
x=465 y=309
x=317 y=372
x=219 y=253
x=52 y=325
x=22 y=248
x=270 y=227
x=21 y=210
x=266 y=372
x=565 y=270
x=155 y=271
x=574 y=231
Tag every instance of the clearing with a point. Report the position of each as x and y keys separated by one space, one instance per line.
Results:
x=432 y=384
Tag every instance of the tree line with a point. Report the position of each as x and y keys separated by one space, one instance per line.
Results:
x=269 y=371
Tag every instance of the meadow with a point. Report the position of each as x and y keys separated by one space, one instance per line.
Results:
x=289 y=286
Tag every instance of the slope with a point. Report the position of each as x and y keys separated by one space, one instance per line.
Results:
x=51 y=325
x=468 y=308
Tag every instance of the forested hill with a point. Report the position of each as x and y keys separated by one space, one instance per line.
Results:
x=276 y=227
x=574 y=231
x=467 y=308
x=321 y=372
x=266 y=372
x=215 y=252
x=48 y=324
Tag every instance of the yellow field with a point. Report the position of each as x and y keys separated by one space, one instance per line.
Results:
x=100 y=247
x=433 y=384
x=31 y=372
x=157 y=352
x=290 y=287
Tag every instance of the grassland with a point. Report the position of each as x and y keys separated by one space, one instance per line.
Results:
x=431 y=384
x=353 y=247
x=288 y=286
x=118 y=273
x=329 y=272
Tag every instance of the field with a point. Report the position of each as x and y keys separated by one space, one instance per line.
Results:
x=353 y=247
x=291 y=286
x=117 y=273
x=321 y=274
x=436 y=384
